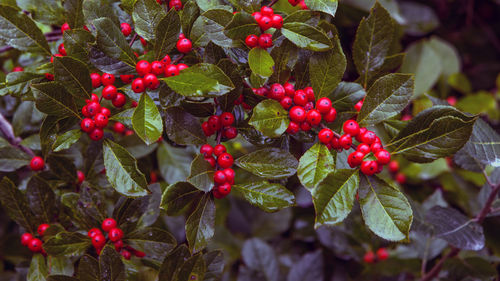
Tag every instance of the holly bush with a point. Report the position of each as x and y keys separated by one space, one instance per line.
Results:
x=247 y=140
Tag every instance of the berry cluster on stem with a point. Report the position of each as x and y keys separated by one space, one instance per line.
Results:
x=115 y=236
x=33 y=243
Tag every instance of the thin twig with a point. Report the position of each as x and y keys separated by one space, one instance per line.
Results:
x=272 y=3
x=133 y=40
x=178 y=59
x=8 y=132
x=437 y=268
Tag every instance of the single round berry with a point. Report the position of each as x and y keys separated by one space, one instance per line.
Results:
x=151 y=81
x=96 y=80
x=109 y=92
x=351 y=127
x=207 y=150
x=65 y=27
x=230 y=132
x=345 y=141
x=49 y=76
x=96 y=134
x=369 y=167
x=87 y=125
x=219 y=177
x=37 y=163
x=229 y=175
x=171 y=70
x=355 y=159
x=184 y=45
x=214 y=122
x=300 y=98
x=289 y=89
x=126 y=28
x=330 y=116
x=166 y=60
x=107 y=79
x=138 y=85
x=382 y=254
x=98 y=240
x=266 y=11
x=305 y=126
x=108 y=224
x=119 y=100
x=105 y=111
x=224 y=189
x=323 y=105
x=277 y=92
x=62 y=50
x=335 y=143
x=400 y=178
x=119 y=128
x=176 y=4
x=225 y=160
x=182 y=66
x=207 y=130
x=310 y=94
x=101 y=120
x=313 y=117
x=42 y=228
x=252 y=41
x=368 y=137
x=298 y=114
x=358 y=106
x=139 y=254
x=115 y=234
x=277 y=21
x=369 y=257
x=257 y=16
x=126 y=254
x=266 y=41
x=219 y=150
x=265 y=22
x=80 y=176
x=35 y=245
x=157 y=68
x=293 y=128
x=93 y=231
x=325 y=135
x=363 y=148
x=393 y=166
x=119 y=245
x=376 y=147
x=143 y=67
x=93 y=108
x=286 y=102
x=26 y=238
x=362 y=131
x=211 y=161
x=17 y=69
x=94 y=98
x=227 y=119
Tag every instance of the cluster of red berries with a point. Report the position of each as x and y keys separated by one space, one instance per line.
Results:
x=241 y=101
x=119 y=128
x=396 y=174
x=266 y=19
x=224 y=176
x=301 y=3
x=176 y=4
x=115 y=235
x=109 y=91
x=37 y=163
x=371 y=257
x=149 y=73
x=33 y=243
x=222 y=124
x=96 y=118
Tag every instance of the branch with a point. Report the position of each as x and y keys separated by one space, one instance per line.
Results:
x=8 y=132
x=133 y=40
x=437 y=268
x=272 y=3
x=491 y=198
x=178 y=59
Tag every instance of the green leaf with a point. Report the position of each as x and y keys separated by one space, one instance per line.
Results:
x=214 y=262
x=270 y=118
x=326 y=6
x=155 y=242
x=95 y=9
x=387 y=97
x=38 y=270
x=147 y=120
x=270 y=197
x=182 y=127
x=61 y=278
x=202 y=174
x=88 y=269
x=75 y=43
x=173 y=262
x=315 y=165
x=309 y=267
x=260 y=62
x=372 y=42
x=63 y=167
x=147 y=15
x=334 y=196
x=107 y=64
x=385 y=209
x=269 y=163
x=124 y=117
x=214 y=21
x=42 y=200
x=111 y=265
x=178 y=196
x=122 y=170
x=260 y=257
x=48 y=12
x=18 y=83
x=19 y=31
x=70 y=244
x=284 y=57
x=193 y=269
x=327 y=69
x=306 y=36
x=74 y=76
x=200 y=225
x=241 y=26
x=434 y=133
x=190 y=12
x=167 y=33
x=12 y=159
x=111 y=41
x=74 y=13
x=174 y=163
x=16 y=206
x=481 y=102
x=53 y=99
x=346 y=95
x=66 y=140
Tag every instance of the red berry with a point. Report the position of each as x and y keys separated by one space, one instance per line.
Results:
x=96 y=80
x=139 y=254
x=214 y=122
x=176 y=4
x=207 y=150
x=310 y=94
x=300 y=98
x=115 y=234
x=119 y=128
x=289 y=89
x=363 y=148
x=101 y=120
x=368 y=137
x=98 y=241
x=230 y=132
x=171 y=70
x=182 y=66
x=355 y=159
x=35 y=245
x=382 y=254
x=257 y=16
x=108 y=224
x=80 y=176
x=227 y=119
x=369 y=168
x=293 y=128
x=323 y=105
x=207 y=130
x=313 y=117
x=126 y=29
x=62 y=50
x=96 y=134
x=331 y=115
x=351 y=127
x=401 y=178
x=87 y=125
x=303 y=5
x=252 y=41
x=143 y=67
x=225 y=160
x=105 y=111
x=452 y=100
x=211 y=161
x=266 y=11
x=166 y=60
x=37 y=163
x=345 y=141
x=26 y=238
x=277 y=92
x=358 y=105
x=277 y=21
x=376 y=147
x=92 y=232
x=126 y=254
x=393 y=166
x=229 y=175
x=265 y=23
x=286 y=102
x=107 y=79
x=93 y=108
x=305 y=126
x=219 y=150
x=362 y=131
x=65 y=27
x=49 y=76
x=262 y=92
x=184 y=45
x=224 y=189
x=138 y=85
x=369 y=257
x=94 y=97
x=151 y=81
x=239 y=100
x=325 y=135
x=335 y=143
x=219 y=177
x=85 y=112
x=266 y=41
x=294 y=2
x=406 y=117
x=119 y=100
x=17 y=69
x=118 y=245
x=109 y=92
x=298 y=114
x=42 y=228
x=157 y=68
x=133 y=104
